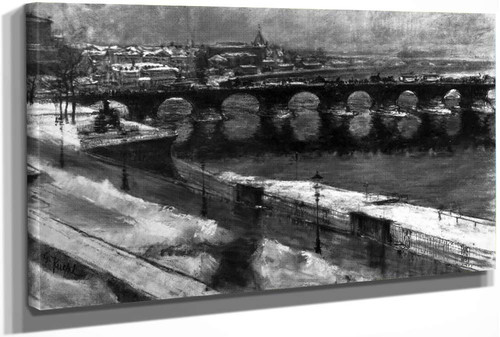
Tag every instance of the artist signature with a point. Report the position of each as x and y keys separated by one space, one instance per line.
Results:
x=59 y=266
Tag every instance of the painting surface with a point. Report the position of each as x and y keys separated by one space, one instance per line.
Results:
x=191 y=151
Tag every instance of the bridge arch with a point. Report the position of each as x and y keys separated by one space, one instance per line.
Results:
x=452 y=99
x=360 y=102
x=175 y=107
x=407 y=100
x=240 y=102
x=491 y=96
x=304 y=100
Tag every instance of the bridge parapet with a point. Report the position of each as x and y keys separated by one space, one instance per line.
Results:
x=146 y=103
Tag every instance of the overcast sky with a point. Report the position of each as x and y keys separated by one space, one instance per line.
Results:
x=467 y=34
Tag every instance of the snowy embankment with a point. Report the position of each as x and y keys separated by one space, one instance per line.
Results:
x=101 y=209
x=41 y=124
x=142 y=227
x=477 y=233
x=277 y=266
x=149 y=280
x=70 y=293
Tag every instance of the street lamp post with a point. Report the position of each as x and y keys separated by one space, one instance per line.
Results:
x=125 y=186
x=204 y=205
x=316 y=179
x=60 y=122
x=296 y=164
x=365 y=184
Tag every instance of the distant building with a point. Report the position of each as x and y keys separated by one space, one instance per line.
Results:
x=283 y=67
x=87 y=84
x=257 y=49
x=129 y=77
x=143 y=75
x=311 y=65
x=259 y=52
x=41 y=45
x=161 y=55
x=259 y=39
x=38 y=30
x=246 y=69
x=127 y=57
x=236 y=59
x=184 y=60
x=408 y=78
x=431 y=77
x=218 y=61
x=268 y=65
x=160 y=75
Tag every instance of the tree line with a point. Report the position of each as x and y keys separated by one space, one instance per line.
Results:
x=59 y=77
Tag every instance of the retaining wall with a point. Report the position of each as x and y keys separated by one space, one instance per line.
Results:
x=355 y=223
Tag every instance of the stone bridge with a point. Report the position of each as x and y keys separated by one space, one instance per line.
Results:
x=143 y=104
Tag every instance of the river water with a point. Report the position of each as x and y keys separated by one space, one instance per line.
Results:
x=440 y=156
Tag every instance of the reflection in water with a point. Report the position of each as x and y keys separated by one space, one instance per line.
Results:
x=408 y=126
x=361 y=125
x=241 y=111
x=206 y=138
x=245 y=131
x=305 y=125
x=240 y=125
x=451 y=124
x=306 y=121
x=267 y=133
x=184 y=128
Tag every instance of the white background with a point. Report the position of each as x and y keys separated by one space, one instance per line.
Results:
x=464 y=305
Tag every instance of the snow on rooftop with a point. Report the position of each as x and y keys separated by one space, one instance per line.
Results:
x=142 y=66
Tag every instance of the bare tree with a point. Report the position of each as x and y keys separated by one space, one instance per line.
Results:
x=32 y=81
x=31 y=84
x=66 y=73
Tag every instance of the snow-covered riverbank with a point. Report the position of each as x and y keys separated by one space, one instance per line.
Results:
x=451 y=226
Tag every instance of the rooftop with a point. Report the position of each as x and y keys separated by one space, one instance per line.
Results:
x=33 y=18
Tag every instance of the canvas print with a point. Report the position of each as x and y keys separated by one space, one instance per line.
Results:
x=181 y=152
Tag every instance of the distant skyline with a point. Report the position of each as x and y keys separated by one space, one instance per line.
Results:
x=468 y=35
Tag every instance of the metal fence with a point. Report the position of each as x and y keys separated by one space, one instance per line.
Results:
x=441 y=249
x=401 y=238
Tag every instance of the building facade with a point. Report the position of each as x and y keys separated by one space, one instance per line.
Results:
x=41 y=45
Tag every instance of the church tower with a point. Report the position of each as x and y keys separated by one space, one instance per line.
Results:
x=259 y=39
